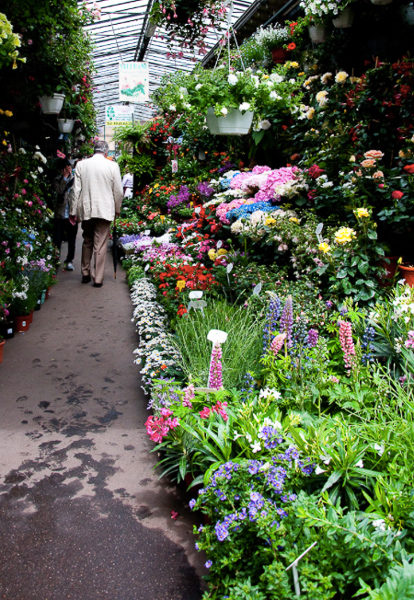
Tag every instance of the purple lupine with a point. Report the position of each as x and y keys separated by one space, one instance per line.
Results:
x=272 y=318
x=286 y=320
x=313 y=337
x=215 y=380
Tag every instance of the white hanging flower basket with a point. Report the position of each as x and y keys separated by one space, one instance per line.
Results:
x=51 y=105
x=234 y=123
x=317 y=33
x=407 y=13
x=65 y=125
x=345 y=19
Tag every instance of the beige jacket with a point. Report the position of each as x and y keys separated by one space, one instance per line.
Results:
x=97 y=192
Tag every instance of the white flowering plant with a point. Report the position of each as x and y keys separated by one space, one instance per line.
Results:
x=317 y=10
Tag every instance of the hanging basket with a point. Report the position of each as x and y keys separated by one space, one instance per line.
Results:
x=407 y=13
x=345 y=19
x=51 y=105
x=234 y=123
x=317 y=33
x=65 y=125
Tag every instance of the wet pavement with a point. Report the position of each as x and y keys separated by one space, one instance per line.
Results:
x=83 y=515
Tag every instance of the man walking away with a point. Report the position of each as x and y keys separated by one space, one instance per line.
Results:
x=95 y=200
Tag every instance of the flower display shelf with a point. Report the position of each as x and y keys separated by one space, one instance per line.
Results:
x=408 y=274
x=234 y=123
x=66 y=125
x=2 y=343
x=317 y=33
x=345 y=19
x=51 y=105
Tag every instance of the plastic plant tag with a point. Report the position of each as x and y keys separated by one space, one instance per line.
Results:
x=174 y=166
x=229 y=268
x=147 y=232
x=216 y=336
x=257 y=289
x=195 y=295
x=197 y=210
x=146 y=268
x=197 y=305
x=318 y=231
x=219 y=244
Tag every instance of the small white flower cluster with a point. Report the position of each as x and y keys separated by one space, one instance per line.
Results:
x=156 y=351
x=321 y=8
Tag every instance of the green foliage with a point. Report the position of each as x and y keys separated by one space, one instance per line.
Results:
x=240 y=352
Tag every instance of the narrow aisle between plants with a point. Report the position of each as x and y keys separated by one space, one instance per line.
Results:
x=82 y=514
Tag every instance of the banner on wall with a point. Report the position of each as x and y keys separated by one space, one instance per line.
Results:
x=133 y=82
x=118 y=114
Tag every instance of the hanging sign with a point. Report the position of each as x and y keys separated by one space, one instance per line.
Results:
x=133 y=82
x=118 y=114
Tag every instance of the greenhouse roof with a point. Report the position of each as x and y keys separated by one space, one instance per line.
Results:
x=123 y=33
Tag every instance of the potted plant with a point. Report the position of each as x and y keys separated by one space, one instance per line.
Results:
x=274 y=39
x=316 y=11
x=407 y=271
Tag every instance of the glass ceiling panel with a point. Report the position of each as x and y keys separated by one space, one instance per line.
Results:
x=119 y=36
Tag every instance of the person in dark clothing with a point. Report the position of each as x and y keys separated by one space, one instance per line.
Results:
x=63 y=228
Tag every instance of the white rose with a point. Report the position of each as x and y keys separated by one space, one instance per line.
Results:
x=232 y=79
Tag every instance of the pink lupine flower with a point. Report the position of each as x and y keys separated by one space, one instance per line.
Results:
x=277 y=343
x=215 y=377
x=347 y=343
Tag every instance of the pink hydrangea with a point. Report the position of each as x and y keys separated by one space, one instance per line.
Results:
x=225 y=207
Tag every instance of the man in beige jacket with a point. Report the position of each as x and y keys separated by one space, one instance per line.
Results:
x=95 y=200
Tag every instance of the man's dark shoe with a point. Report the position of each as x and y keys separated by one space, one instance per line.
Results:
x=86 y=279
x=97 y=284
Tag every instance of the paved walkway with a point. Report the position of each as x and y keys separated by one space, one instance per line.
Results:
x=82 y=514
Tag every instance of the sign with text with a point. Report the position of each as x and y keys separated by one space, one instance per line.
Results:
x=133 y=82
x=118 y=114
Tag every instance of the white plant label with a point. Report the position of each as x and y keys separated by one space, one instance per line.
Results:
x=219 y=244
x=197 y=210
x=146 y=268
x=229 y=268
x=174 y=166
x=257 y=289
x=216 y=336
x=147 y=232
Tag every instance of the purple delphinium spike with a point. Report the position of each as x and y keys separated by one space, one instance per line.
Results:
x=272 y=318
x=313 y=337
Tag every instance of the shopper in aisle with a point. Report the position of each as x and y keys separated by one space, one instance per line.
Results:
x=63 y=228
x=128 y=184
x=95 y=200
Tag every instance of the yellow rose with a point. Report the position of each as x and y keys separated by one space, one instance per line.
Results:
x=310 y=113
x=361 y=213
x=270 y=221
x=324 y=247
x=294 y=64
x=222 y=252
x=212 y=254
x=344 y=235
x=341 y=77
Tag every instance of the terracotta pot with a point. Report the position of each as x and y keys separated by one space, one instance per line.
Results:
x=1 y=350
x=388 y=269
x=30 y=317
x=279 y=55
x=22 y=323
x=408 y=274
x=345 y=18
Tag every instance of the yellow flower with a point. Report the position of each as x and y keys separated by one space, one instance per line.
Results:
x=222 y=252
x=180 y=285
x=322 y=98
x=352 y=158
x=8 y=113
x=301 y=73
x=344 y=235
x=1 y=112
x=361 y=213
x=150 y=190
x=294 y=220
x=156 y=185
x=401 y=154
x=212 y=254
x=341 y=76
x=4 y=143
x=324 y=247
x=293 y=64
x=162 y=218
x=310 y=113
x=270 y=221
